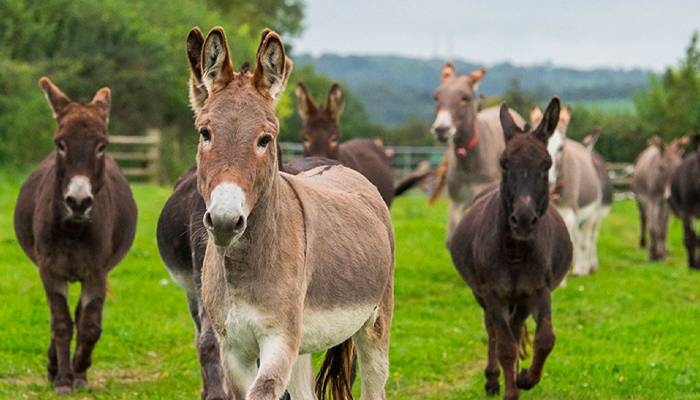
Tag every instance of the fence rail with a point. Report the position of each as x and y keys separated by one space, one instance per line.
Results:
x=138 y=156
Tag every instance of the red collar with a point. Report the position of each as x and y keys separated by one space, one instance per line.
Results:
x=464 y=151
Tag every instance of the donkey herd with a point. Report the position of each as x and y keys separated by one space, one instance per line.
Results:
x=283 y=260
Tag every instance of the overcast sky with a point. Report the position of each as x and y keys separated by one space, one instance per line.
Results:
x=580 y=33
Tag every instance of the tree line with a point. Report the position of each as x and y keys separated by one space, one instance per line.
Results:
x=138 y=50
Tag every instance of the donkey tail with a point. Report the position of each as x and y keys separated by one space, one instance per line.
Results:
x=416 y=177
x=525 y=343
x=441 y=181
x=337 y=372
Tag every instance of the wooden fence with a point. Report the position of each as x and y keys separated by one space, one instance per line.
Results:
x=138 y=156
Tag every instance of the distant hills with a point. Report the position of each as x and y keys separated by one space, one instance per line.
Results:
x=396 y=89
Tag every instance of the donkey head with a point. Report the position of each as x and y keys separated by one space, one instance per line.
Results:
x=81 y=140
x=456 y=103
x=671 y=156
x=525 y=163
x=237 y=152
x=320 y=129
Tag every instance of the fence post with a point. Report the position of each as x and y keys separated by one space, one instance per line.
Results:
x=154 y=153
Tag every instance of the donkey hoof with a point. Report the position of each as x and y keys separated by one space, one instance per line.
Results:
x=63 y=390
x=492 y=388
x=79 y=383
x=523 y=380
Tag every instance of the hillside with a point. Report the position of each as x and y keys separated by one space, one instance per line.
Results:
x=395 y=89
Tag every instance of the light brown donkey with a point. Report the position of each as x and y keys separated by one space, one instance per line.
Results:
x=294 y=263
x=651 y=184
x=475 y=139
x=75 y=219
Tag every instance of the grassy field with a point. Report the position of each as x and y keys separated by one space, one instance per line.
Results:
x=631 y=331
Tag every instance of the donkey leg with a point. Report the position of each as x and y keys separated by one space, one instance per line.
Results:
x=301 y=383
x=277 y=356
x=240 y=369
x=88 y=319
x=664 y=210
x=653 y=215
x=643 y=222
x=544 y=341
x=690 y=241
x=372 y=343
x=492 y=371
x=506 y=351
x=210 y=361
x=59 y=367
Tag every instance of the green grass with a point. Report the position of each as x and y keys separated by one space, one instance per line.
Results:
x=631 y=331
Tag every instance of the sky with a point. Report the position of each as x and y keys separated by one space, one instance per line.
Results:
x=585 y=34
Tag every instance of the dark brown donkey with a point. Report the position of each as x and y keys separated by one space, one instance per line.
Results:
x=685 y=201
x=513 y=250
x=75 y=219
x=321 y=134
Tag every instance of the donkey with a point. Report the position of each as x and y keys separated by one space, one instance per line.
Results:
x=513 y=250
x=182 y=238
x=75 y=219
x=475 y=139
x=651 y=185
x=321 y=283
x=685 y=201
x=577 y=191
x=321 y=134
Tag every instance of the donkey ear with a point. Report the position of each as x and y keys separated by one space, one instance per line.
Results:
x=103 y=102
x=549 y=123
x=510 y=128
x=535 y=115
x=217 y=70
x=198 y=92
x=591 y=139
x=448 y=71
x=305 y=104
x=56 y=98
x=334 y=101
x=272 y=68
x=476 y=77
x=564 y=118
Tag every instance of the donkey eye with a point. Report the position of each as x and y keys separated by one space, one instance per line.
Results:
x=61 y=146
x=264 y=140
x=466 y=97
x=101 y=149
x=205 y=134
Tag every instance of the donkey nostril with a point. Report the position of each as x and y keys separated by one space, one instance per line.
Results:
x=86 y=203
x=513 y=220
x=207 y=221
x=533 y=221
x=239 y=224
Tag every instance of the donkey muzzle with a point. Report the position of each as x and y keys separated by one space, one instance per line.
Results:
x=78 y=198
x=225 y=218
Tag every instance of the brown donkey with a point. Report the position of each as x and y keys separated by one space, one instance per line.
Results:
x=475 y=139
x=685 y=201
x=321 y=134
x=651 y=184
x=75 y=219
x=293 y=264
x=513 y=250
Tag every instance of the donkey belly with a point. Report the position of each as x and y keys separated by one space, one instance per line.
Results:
x=323 y=329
